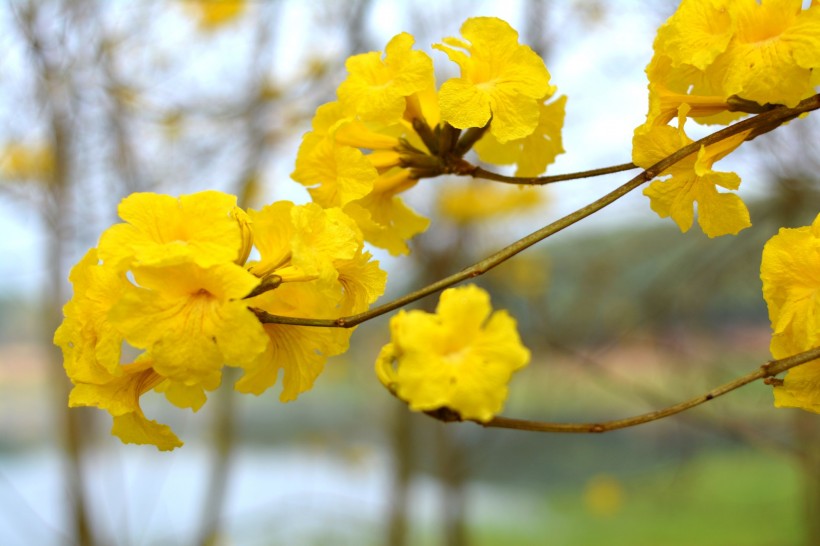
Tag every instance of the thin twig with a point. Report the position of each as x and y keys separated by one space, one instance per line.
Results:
x=767 y=120
x=478 y=172
x=770 y=369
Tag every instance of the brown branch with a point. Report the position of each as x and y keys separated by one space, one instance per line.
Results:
x=478 y=172
x=766 y=371
x=766 y=121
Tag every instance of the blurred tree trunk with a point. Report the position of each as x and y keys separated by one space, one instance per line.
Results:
x=807 y=433
x=404 y=461
x=452 y=475
x=59 y=222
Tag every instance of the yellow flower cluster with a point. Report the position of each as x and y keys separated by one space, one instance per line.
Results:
x=712 y=50
x=174 y=283
x=390 y=125
x=459 y=358
x=715 y=59
x=790 y=271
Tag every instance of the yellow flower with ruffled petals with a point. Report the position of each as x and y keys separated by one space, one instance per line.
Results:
x=460 y=358
x=500 y=79
x=535 y=151
x=89 y=342
x=375 y=89
x=191 y=320
x=203 y=228
x=120 y=395
x=790 y=271
x=775 y=51
x=692 y=180
x=712 y=50
x=384 y=218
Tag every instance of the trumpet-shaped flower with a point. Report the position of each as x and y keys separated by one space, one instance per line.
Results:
x=691 y=181
x=459 y=358
x=375 y=89
x=500 y=79
x=790 y=271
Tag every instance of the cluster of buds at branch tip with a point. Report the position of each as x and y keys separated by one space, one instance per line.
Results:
x=447 y=146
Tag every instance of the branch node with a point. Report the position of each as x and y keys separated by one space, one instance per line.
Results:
x=445 y=415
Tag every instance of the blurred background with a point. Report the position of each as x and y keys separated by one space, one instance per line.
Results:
x=623 y=313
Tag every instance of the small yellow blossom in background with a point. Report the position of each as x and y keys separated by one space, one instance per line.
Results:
x=172 y=281
x=460 y=358
x=212 y=14
x=477 y=202
x=603 y=496
x=692 y=180
x=790 y=271
x=22 y=162
x=500 y=79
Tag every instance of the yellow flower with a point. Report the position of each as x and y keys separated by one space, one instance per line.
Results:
x=318 y=253
x=191 y=320
x=300 y=351
x=385 y=220
x=334 y=174
x=692 y=180
x=162 y=230
x=90 y=344
x=302 y=243
x=535 y=151
x=119 y=395
x=375 y=89
x=790 y=271
x=26 y=162
x=774 y=51
x=670 y=88
x=500 y=79
x=459 y=358
x=215 y=13
x=697 y=33
x=766 y=52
